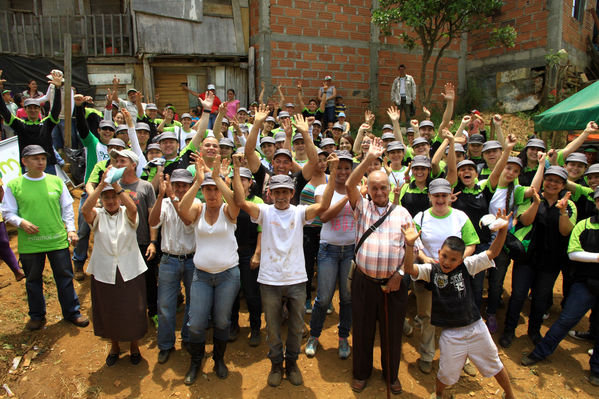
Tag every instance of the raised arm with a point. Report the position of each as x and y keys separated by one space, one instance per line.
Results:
x=281 y=96
x=261 y=95
x=496 y=124
x=537 y=180
x=134 y=142
x=231 y=208
x=411 y=234
x=126 y=200
x=452 y=168
x=218 y=121
x=202 y=124
x=319 y=207
x=578 y=141
x=351 y=185
x=301 y=126
x=187 y=208
x=394 y=115
x=239 y=193
x=300 y=95
x=88 y=210
x=80 y=121
x=449 y=97
x=529 y=215
x=497 y=244
x=460 y=132
x=496 y=173
x=250 y=145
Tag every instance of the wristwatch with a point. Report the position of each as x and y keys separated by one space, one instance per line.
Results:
x=175 y=199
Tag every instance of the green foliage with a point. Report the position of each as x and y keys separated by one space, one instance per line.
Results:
x=504 y=36
x=472 y=98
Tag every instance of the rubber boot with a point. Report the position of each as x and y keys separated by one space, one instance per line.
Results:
x=197 y=354
x=218 y=354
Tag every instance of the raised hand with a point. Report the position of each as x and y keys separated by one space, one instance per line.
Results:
x=168 y=187
x=393 y=113
x=511 y=142
x=446 y=134
x=200 y=166
x=127 y=116
x=552 y=156
x=410 y=234
x=497 y=120
x=222 y=108
x=286 y=125
x=414 y=124
x=237 y=158
x=376 y=148
x=224 y=166
x=79 y=100
x=542 y=155
x=299 y=85
x=300 y=123
x=56 y=78
x=208 y=100
x=138 y=97
x=563 y=203
x=369 y=117
x=261 y=114
x=536 y=198
x=115 y=81
x=592 y=127
x=466 y=119
x=310 y=120
x=427 y=112
x=333 y=162
x=449 y=94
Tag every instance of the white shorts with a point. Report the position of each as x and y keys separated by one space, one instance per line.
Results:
x=473 y=341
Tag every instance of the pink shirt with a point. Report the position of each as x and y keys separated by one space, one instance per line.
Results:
x=22 y=114
x=232 y=109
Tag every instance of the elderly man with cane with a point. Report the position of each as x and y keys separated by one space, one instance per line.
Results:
x=378 y=289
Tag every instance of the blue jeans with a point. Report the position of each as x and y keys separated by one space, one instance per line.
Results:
x=212 y=294
x=211 y=120
x=540 y=282
x=83 y=231
x=251 y=291
x=170 y=274
x=329 y=116
x=58 y=135
x=334 y=262
x=578 y=303
x=272 y=304
x=33 y=266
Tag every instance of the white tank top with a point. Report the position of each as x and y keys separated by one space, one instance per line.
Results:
x=216 y=246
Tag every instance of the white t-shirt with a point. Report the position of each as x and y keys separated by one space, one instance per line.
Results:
x=500 y=195
x=282 y=259
x=397 y=177
x=340 y=230
x=177 y=238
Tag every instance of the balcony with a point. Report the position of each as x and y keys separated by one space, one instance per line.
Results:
x=42 y=35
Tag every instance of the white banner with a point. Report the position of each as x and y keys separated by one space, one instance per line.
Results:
x=9 y=159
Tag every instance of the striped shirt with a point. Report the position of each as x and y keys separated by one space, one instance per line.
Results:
x=383 y=251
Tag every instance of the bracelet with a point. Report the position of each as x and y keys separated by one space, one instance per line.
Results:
x=155 y=242
x=121 y=192
x=207 y=111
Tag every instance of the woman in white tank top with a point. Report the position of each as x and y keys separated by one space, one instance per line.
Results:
x=216 y=278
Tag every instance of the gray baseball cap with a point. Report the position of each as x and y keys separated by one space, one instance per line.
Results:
x=395 y=146
x=515 y=160
x=270 y=119
x=592 y=169
x=577 y=157
x=122 y=129
x=290 y=105
x=466 y=162
x=167 y=135
x=343 y=154
x=33 y=149
x=226 y=142
x=31 y=101
x=410 y=130
x=535 y=143
x=326 y=141
x=225 y=121
x=242 y=109
x=127 y=154
x=298 y=136
x=418 y=141
x=245 y=172
x=317 y=122
x=151 y=107
x=280 y=137
x=281 y=181
x=421 y=160
x=142 y=126
x=208 y=180
x=267 y=140
x=388 y=136
x=181 y=175
x=387 y=126
x=284 y=114
x=283 y=151
x=116 y=143
x=337 y=126
x=426 y=123
x=108 y=124
x=491 y=145
x=557 y=171
x=476 y=139
x=186 y=115
x=439 y=186
x=153 y=146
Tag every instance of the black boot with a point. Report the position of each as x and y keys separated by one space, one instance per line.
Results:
x=197 y=354
x=218 y=354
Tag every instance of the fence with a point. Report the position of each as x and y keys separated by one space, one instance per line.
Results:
x=42 y=35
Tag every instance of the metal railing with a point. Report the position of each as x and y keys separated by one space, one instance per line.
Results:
x=42 y=35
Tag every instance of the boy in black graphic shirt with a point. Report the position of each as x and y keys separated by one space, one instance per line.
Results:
x=464 y=333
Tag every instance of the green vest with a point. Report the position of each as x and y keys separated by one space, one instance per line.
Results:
x=39 y=203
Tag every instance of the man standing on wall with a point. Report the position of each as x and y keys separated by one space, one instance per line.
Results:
x=403 y=93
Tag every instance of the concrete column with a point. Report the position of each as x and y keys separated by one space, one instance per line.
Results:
x=555 y=23
x=264 y=39
x=374 y=46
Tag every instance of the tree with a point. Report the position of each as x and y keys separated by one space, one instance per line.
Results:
x=436 y=24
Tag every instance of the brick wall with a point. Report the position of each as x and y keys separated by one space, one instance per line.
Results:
x=574 y=32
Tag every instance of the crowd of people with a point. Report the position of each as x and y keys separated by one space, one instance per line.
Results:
x=188 y=211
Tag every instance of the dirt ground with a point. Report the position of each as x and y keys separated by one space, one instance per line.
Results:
x=63 y=361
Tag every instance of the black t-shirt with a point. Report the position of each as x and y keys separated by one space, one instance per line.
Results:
x=474 y=202
x=246 y=232
x=318 y=114
x=453 y=297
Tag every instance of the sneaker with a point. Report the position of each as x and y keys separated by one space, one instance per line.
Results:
x=163 y=355
x=308 y=307
x=469 y=368
x=506 y=340
x=582 y=335
x=330 y=309
x=408 y=330
x=35 y=324
x=492 y=323
x=155 y=321
x=344 y=349
x=276 y=375
x=424 y=366
x=254 y=338
x=311 y=346
x=528 y=360
x=293 y=373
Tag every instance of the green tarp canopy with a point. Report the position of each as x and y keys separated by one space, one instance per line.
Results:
x=573 y=113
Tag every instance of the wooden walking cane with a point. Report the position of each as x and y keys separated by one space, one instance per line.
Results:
x=387 y=346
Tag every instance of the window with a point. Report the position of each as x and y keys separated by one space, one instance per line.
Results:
x=578 y=9
x=24 y=6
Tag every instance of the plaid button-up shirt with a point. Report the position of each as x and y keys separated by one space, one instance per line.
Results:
x=383 y=251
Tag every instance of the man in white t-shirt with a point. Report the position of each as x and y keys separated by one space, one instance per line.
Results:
x=282 y=268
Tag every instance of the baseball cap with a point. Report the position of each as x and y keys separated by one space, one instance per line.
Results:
x=535 y=143
x=458 y=148
x=5 y=91
x=466 y=162
x=410 y=130
x=421 y=160
x=476 y=139
x=290 y=105
x=281 y=181
x=426 y=123
x=577 y=157
x=388 y=136
x=343 y=154
x=33 y=149
x=108 y=124
x=387 y=126
x=151 y=107
x=557 y=171
x=211 y=87
x=153 y=146
x=337 y=126
x=439 y=186
x=317 y=122
x=341 y=115
x=279 y=137
x=283 y=151
x=515 y=160
x=592 y=169
x=122 y=129
x=267 y=140
x=126 y=154
x=491 y=145
x=186 y=115
x=142 y=126
x=227 y=142
x=395 y=145
x=116 y=143
x=284 y=114
x=182 y=175
x=242 y=109
x=208 y=180
x=298 y=136
x=167 y=135
x=31 y=101
x=245 y=172
x=418 y=141
x=270 y=119
x=226 y=121
x=328 y=77
x=326 y=141
x=131 y=90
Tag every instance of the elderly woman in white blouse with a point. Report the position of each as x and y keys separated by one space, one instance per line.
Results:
x=117 y=267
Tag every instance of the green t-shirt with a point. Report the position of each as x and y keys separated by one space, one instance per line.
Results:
x=574 y=244
x=39 y=203
x=151 y=172
x=99 y=168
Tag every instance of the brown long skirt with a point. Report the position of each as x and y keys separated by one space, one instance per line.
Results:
x=119 y=310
